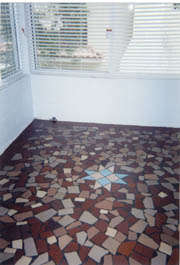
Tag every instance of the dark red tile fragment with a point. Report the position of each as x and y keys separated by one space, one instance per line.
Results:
x=41 y=246
x=55 y=253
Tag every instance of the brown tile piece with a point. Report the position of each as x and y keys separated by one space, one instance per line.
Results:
x=111 y=245
x=59 y=231
x=92 y=231
x=108 y=260
x=126 y=248
x=3 y=243
x=63 y=241
x=105 y=204
x=147 y=241
x=120 y=259
x=23 y=216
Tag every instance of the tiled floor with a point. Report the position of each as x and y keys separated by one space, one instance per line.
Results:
x=79 y=194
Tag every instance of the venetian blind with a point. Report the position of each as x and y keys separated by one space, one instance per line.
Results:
x=9 y=60
x=110 y=38
x=155 y=43
x=78 y=36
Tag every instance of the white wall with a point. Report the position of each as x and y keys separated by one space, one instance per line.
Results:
x=113 y=101
x=16 y=111
x=16 y=107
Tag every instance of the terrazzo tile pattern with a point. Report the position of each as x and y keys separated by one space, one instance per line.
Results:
x=90 y=194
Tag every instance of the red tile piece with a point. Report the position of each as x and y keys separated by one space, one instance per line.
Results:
x=143 y=250
x=140 y=258
x=83 y=252
x=73 y=246
x=160 y=219
x=174 y=258
x=41 y=246
x=55 y=253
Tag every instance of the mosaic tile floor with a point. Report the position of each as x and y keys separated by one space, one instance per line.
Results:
x=79 y=194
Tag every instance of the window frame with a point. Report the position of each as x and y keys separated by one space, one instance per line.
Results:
x=16 y=50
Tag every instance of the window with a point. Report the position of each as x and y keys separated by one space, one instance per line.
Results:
x=9 y=60
x=104 y=38
x=82 y=37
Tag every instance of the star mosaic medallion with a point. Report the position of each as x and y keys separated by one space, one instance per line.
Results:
x=104 y=177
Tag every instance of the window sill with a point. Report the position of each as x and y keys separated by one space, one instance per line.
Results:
x=5 y=83
x=106 y=75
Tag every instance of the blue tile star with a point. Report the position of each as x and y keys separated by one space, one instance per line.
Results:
x=104 y=177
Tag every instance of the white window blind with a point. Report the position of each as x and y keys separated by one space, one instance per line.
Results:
x=81 y=37
x=110 y=38
x=9 y=60
x=155 y=43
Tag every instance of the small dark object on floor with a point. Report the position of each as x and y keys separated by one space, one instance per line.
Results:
x=54 y=120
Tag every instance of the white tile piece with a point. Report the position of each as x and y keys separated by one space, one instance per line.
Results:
x=172 y=221
x=36 y=205
x=23 y=261
x=81 y=237
x=150 y=219
x=67 y=203
x=88 y=244
x=73 y=189
x=96 y=253
x=65 y=211
x=139 y=226
x=165 y=248
x=7 y=196
x=104 y=211
x=3 y=181
x=111 y=232
x=141 y=178
x=12 y=212
x=148 y=203
x=10 y=250
x=78 y=199
x=66 y=220
x=150 y=211
x=3 y=210
x=170 y=207
x=67 y=170
x=46 y=215
x=22 y=223
x=17 y=244
x=172 y=227
x=21 y=200
x=130 y=196
x=73 y=258
x=116 y=221
x=160 y=259
x=41 y=193
x=111 y=245
x=63 y=241
x=88 y=218
x=147 y=241
x=41 y=259
x=162 y=194
x=30 y=247
x=51 y=240
x=137 y=213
